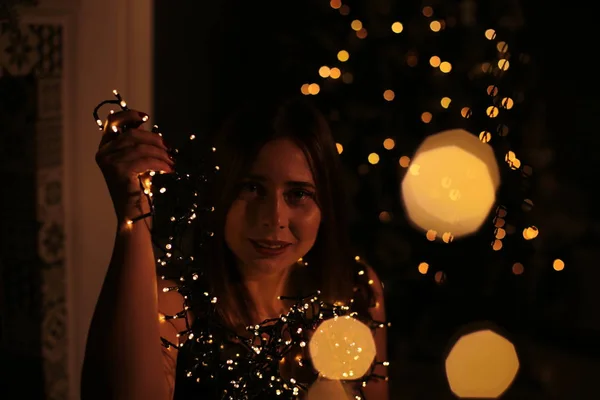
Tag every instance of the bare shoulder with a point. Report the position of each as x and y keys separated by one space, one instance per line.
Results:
x=378 y=389
x=378 y=312
x=374 y=280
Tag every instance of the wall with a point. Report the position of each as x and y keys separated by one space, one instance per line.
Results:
x=30 y=210
x=107 y=45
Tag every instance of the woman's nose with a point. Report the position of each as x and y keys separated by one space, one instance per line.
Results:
x=274 y=212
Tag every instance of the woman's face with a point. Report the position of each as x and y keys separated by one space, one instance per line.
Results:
x=274 y=220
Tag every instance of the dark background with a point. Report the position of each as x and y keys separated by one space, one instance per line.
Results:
x=213 y=55
x=210 y=56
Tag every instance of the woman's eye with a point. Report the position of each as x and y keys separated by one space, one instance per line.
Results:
x=301 y=194
x=249 y=187
x=248 y=190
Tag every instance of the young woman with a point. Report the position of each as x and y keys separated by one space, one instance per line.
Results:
x=278 y=198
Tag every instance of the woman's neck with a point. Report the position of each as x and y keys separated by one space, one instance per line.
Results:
x=264 y=291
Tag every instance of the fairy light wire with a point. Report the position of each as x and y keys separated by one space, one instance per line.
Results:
x=244 y=377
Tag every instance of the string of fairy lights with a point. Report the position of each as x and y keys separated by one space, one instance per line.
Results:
x=246 y=367
x=253 y=368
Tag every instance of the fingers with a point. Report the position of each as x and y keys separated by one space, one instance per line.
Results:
x=125 y=118
x=127 y=165
x=140 y=151
x=132 y=137
x=119 y=122
x=127 y=152
x=136 y=166
x=135 y=151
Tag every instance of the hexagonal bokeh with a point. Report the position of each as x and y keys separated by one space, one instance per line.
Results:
x=451 y=183
x=482 y=364
x=329 y=389
x=342 y=348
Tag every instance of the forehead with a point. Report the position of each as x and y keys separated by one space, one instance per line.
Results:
x=282 y=160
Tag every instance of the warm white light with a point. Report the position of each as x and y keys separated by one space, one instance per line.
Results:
x=482 y=365
x=451 y=183
x=329 y=390
x=342 y=348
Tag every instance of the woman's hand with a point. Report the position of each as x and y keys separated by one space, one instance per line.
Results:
x=127 y=151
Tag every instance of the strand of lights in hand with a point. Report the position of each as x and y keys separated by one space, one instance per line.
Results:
x=247 y=372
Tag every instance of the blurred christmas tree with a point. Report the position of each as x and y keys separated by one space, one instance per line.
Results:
x=388 y=74
x=401 y=71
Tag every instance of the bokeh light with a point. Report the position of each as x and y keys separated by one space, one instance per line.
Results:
x=451 y=183
x=342 y=348
x=558 y=264
x=404 y=161
x=397 y=27
x=389 y=144
x=481 y=364
x=445 y=67
x=343 y=55
x=373 y=158
x=326 y=389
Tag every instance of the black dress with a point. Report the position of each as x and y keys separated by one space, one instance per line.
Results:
x=211 y=378
x=214 y=383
